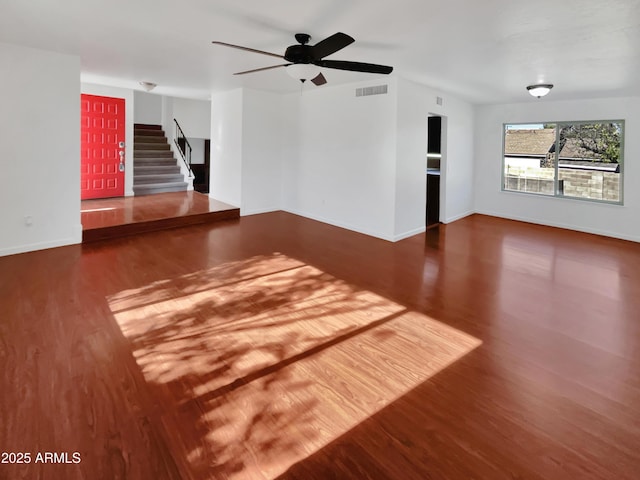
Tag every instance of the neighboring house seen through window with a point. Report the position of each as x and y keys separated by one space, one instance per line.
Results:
x=580 y=160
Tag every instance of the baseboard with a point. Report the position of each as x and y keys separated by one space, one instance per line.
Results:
x=228 y=202
x=32 y=247
x=257 y=211
x=577 y=228
x=408 y=234
x=459 y=217
x=339 y=224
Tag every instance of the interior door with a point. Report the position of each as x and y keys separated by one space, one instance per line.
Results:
x=102 y=147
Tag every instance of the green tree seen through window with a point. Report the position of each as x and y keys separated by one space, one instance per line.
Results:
x=601 y=139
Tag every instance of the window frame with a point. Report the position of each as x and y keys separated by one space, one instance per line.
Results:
x=556 y=182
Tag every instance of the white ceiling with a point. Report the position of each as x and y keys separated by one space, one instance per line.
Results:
x=485 y=51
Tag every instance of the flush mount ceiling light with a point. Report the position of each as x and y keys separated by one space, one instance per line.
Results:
x=303 y=71
x=148 y=86
x=539 y=90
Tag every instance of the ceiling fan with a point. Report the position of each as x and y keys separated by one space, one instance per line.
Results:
x=305 y=60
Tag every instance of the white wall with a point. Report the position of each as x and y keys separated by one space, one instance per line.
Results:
x=147 y=108
x=40 y=138
x=291 y=128
x=246 y=150
x=225 y=182
x=458 y=159
x=415 y=103
x=411 y=160
x=197 y=149
x=167 y=119
x=128 y=95
x=194 y=116
x=344 y=166
x=262 y=150
x=360 y=162
x=610 y=220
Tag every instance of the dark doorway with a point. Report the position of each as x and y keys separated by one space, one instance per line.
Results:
x=434 y=154
x=201 y=170
x=434 y=134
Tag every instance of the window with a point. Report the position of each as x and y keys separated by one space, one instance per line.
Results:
x=580 y=160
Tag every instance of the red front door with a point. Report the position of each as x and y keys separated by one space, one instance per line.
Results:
x=102 y=163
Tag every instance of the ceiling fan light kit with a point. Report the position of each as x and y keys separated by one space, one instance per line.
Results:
x=303 y=71
x=540 y=90
x=305 y=60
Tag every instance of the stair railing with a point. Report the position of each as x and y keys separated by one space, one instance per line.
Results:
x=180 y=139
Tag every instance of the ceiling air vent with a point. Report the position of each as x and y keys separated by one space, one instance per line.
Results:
x=366 y=91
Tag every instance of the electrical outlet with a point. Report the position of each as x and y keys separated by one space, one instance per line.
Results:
x=28 y=220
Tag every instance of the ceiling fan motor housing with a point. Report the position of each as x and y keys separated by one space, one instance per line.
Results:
x=299 y=54
x=302 y=38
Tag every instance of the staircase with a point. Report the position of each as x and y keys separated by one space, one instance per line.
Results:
x=155 y=169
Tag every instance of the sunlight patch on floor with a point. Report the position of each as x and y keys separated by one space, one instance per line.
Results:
x=260 y=363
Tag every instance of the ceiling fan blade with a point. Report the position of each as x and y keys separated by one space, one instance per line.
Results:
x=263 y=68
x=331 y=44
x=319 y=80
x=247 y=49
x=355 y=66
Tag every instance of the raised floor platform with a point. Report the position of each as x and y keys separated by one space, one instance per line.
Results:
x=118 y=217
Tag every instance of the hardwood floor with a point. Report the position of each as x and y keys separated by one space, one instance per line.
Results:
x=118 y=217
x=279 y=347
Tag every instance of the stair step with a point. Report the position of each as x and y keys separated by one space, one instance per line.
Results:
x=155 y=169
x=138 y=139
x=154 y=161
x=150 y=146
x=148 y=133
x=159 y=169
x=152 y=188
x=157 y=179
x=153 y=154
x=158 y=162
